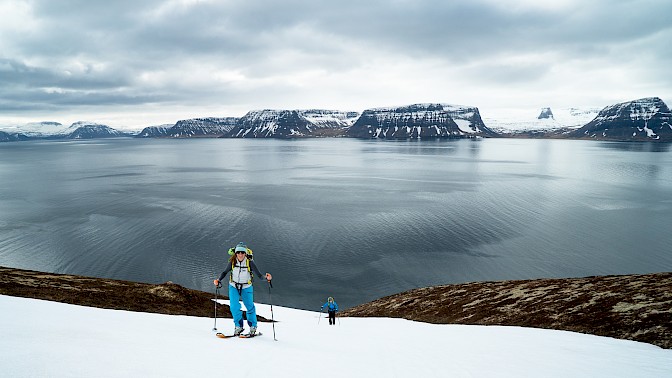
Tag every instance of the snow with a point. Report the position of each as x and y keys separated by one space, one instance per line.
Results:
x=41 y=338
x=510 y=120
x=465 y=126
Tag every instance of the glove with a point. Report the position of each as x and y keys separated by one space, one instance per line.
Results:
x=216 y=282
x=269 y=277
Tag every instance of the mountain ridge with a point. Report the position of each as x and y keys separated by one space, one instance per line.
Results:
x=646 y=119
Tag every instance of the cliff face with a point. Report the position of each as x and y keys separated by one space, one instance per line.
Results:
x=420 y=121
x=292 y=123
x=633 y=307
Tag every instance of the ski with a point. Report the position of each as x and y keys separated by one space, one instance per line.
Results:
x=223 y=336
x=248 y=336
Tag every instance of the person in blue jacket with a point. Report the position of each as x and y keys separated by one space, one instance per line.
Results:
x=332 y=307
x=241 y=269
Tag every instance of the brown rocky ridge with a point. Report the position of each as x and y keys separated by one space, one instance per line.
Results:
x=632 y=307
x=165 y=298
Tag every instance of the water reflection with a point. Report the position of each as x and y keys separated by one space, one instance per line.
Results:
x=637 y=146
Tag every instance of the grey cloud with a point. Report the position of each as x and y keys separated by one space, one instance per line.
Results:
x=264 y=39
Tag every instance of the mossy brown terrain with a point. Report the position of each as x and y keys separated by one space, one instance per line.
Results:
x=632 y=307
x=164 y=298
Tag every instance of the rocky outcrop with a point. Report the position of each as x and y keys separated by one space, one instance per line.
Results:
x=292 y=123
x=546 y=113
x=633 y=307
x=646 y=119
x=420 y=121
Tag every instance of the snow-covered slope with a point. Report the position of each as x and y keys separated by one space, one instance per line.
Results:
x=420 y=121
x=521 y=120
x=55 y=130
x=37 y=129
x=48 y=339
x=91 y=130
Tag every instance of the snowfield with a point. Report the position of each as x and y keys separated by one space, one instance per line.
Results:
x=49 y=339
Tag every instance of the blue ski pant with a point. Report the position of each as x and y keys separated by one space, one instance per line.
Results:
x=247 y=295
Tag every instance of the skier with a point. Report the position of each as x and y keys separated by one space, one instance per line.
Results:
x=332 y=307
x=241 y=268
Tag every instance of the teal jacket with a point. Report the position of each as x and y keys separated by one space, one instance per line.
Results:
x=330 y=306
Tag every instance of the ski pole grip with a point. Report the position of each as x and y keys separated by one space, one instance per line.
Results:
x=270 y=284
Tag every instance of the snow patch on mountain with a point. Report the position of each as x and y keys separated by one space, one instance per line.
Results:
x=512 y=120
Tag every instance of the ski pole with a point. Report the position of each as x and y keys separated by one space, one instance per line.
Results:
x=216 y=295
x=319 y=317
x=270 y=299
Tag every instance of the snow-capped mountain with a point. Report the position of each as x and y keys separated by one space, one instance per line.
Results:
x=194 y=127
x=91 y=130
x=154 y=131
x=56 y=130
x=37 y=129
x=643 y=119
x=516 y=121
x=420 y=121
x=270 y=123
x=209 y=126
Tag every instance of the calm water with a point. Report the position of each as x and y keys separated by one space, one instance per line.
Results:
x=353 y=219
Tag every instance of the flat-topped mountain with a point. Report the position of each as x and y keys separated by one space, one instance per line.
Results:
x=420 y=121
x=189 y=128
x=270 y=123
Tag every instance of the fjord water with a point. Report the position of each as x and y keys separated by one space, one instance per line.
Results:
x=352 y=219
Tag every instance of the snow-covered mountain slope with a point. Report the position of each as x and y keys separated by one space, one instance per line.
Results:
x=642 y=119
x=91 y=130
x=55 y=130
x=154 y=131
x=270 y=123
x=47 y=339
x=37 y=129
x=546 y=119
x=420 y=121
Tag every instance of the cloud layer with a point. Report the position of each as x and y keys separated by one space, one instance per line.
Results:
x=152 y=61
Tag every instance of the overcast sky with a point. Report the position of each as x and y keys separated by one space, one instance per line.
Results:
x=138 y=63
